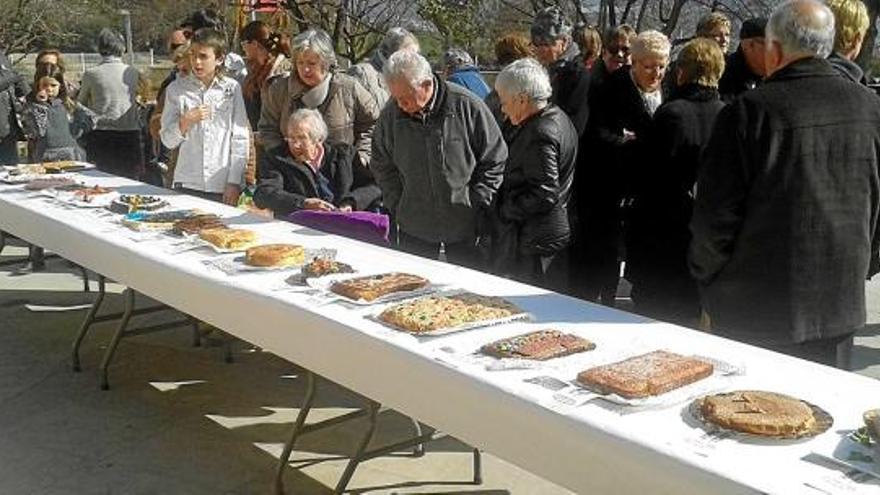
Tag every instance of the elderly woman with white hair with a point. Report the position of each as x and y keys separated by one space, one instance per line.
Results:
x=309 y=172
x=533 y=199
x=347 y=107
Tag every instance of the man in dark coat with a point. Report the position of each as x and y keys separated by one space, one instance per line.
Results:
x=309 y=172
x=851 y=23
x=744 y=69
x=658 y=235
x=554 y=48
x=785 y=220
x=439 y=157
x=12 y=87
x=618 y=127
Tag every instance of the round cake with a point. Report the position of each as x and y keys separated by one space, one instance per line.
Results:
x=759 y=413
x=128 y=203
x=275 y=255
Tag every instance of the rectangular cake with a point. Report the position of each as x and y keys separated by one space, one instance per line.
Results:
x=646 y=375
x=373 y=287
x=439 y=312
x=539 y=346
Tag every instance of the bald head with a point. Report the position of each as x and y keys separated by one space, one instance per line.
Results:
x=802 y=28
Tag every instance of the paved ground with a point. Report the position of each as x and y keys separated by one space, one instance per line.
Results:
x=179 y=420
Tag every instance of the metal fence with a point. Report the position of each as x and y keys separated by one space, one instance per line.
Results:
x=77 y=63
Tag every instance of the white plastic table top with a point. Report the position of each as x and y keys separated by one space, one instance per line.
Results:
x=590 y=448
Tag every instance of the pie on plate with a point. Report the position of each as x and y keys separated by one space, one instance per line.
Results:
x=646 y=375
x=539 y=346
x=372 y=287
x=444 y=312
x=761 y=413
x=275 y=255
x=322 y=266
x=229 y=239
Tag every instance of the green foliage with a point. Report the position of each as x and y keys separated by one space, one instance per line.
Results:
x=457 y=21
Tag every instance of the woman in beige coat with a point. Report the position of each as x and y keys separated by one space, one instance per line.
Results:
x=347 y=107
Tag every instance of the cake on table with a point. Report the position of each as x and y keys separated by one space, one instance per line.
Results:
x=439 y=312
x=540 y=346
x=759 y=413
x=128 y=203
x=646 y=375
x=372 y=287
x=155 y=221
x=321 y=266
x=198 y=223
x=226 y=238
x=87 y=194
x=275 y=255
x=41 y=183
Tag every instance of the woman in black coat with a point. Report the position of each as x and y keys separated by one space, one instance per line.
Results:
x=308 y=172
x=532 y=223
x=657 y=232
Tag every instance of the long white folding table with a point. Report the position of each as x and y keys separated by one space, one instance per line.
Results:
x=590 y=448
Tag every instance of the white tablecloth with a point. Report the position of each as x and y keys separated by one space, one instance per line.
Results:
x=594 y=447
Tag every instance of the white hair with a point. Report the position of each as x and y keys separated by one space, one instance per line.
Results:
x=317 y=127
x=409 y=66
x=526 y=76
x=802 y=27
x=398 y=38
x=650 y=43
x=317 y=41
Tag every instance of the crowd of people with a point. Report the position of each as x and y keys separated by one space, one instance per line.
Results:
x=739 y=190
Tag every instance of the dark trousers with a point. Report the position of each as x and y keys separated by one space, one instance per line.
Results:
x=465 y=253
x=9 y=150
x=594 y=261
x=835 y=351
x=117 y=152
x=216 y=197
x=673 y=298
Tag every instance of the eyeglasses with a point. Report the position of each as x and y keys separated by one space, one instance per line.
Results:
x=618 y=50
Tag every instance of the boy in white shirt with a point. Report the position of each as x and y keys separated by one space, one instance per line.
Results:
x=205 y=116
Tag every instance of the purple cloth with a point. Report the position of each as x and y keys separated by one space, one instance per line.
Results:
x=361 y=225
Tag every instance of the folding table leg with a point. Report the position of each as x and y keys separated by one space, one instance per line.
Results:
x=228 y=356
x=362 y=447
x=197 y=336
x=478 y=467
x=128 y=294
x=87 y=323
x=419 y=449
x=297 y=428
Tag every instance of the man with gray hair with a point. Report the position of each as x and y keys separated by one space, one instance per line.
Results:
x=459 y=68
x=438 y=156
x=554 y=48
x=369 y=73
x=788 y=197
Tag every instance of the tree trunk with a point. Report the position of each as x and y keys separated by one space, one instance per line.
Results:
x=641 y=18
x=672 y=20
